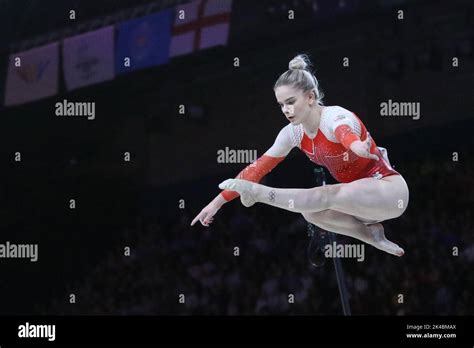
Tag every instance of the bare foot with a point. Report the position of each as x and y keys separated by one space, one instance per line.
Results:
x=243 y=187
x=379 y=240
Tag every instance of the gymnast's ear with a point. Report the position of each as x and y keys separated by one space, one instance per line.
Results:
x=311 y=97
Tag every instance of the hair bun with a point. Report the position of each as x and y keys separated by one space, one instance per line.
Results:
x=300 y=62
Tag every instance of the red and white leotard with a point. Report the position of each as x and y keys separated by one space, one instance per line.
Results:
x=330 y=148
x=325 y=149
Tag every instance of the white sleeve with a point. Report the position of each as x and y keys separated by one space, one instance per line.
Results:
x=340 y=119
x=337 y=116
x=283 y=143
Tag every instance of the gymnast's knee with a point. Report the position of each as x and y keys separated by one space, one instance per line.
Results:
x=319 y=218
x=323 y=194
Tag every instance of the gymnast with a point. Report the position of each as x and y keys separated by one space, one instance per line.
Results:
x=369 y=191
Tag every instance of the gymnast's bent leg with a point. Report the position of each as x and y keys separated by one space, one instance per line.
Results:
x=348 y=225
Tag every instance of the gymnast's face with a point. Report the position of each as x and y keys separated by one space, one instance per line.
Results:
x=294 y=103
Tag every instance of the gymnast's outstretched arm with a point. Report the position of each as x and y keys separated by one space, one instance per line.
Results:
x=253 y=172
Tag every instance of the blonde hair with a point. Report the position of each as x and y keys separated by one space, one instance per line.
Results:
x=299 y=76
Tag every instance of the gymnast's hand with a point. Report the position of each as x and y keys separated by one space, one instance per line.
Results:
x=362 y=148
x=206 y=216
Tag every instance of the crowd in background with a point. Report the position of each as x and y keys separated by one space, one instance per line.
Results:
x=83 y=251
x=271 y=263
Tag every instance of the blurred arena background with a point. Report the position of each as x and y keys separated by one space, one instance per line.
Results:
x=136 y=204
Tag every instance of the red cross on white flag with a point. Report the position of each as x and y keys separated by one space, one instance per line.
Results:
x=205 y=24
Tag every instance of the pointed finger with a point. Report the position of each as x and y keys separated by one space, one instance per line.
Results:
x=195 y=219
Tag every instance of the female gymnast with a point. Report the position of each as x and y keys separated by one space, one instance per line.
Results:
x=370 y=190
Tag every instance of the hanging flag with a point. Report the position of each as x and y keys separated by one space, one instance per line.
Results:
x=144 y=42
x=89 y=58
x=200 y=24
x=32 y=75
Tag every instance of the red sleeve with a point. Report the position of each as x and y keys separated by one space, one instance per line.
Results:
x=254 y=172
x=345 y=135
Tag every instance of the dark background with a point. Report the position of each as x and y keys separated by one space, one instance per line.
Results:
x=174 y=157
